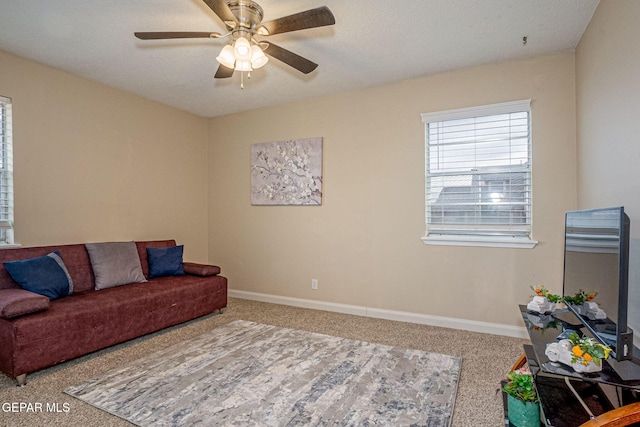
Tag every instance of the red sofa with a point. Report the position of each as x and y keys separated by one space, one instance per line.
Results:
x=36 y=333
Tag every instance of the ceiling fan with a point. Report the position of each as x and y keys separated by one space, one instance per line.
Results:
x=243 y=20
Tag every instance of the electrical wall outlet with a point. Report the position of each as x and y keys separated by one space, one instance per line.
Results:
x=314 y=283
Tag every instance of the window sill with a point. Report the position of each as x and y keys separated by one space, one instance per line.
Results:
x=9 y=245
x=484 y=241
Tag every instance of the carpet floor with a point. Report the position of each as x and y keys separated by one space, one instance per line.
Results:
x=487 y=358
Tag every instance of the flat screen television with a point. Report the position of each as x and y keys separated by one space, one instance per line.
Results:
x=596 y=261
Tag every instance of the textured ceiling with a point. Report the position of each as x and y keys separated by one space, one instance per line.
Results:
x=374 y=42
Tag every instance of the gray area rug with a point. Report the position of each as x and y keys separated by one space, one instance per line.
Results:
x=249 y=374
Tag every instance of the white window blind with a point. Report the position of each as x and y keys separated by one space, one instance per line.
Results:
x=6 y=173
x=478 y=174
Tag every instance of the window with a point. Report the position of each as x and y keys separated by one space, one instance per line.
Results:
x=478 y=176
x=6 y=173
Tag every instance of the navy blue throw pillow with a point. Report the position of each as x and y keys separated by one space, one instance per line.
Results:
x=165 y=261
x=45 y=275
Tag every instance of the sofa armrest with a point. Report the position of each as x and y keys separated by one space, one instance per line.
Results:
x=16 y=302
x=203 y=270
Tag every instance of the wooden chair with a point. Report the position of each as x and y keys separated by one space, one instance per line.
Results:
x=623 y=416
x=522 y=360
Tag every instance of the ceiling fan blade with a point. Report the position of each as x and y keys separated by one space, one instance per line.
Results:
x=224 y=72
x=313 y=18
x=173 y=35
x=296 y=61
x=221 y=9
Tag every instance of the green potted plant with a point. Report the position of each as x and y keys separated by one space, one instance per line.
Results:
x=522 y=399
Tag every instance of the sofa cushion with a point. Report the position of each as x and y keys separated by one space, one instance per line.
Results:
x=115 y=264
x=165 y=261
x=142 y=251
x=16 y=302
x=45 y=275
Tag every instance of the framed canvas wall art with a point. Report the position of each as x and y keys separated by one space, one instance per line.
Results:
x=287 y=172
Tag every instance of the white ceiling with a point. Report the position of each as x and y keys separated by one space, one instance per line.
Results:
x=373 y=42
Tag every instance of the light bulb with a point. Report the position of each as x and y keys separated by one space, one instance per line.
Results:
x=226 y=57
x=258 y=58
x=243 y=49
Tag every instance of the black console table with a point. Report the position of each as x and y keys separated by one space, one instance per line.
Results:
x=567 y=398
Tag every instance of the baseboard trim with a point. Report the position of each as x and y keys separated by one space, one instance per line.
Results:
x=378 y=313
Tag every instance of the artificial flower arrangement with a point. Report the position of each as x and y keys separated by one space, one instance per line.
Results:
x=581 y=297
x=541 y=291
x=544 y=301
x=583 y=354
x=585 y=350
x=584 y=304
x=520 y=386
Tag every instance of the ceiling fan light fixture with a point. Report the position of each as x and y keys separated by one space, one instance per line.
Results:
x=243 y=21
x=242 y=49
x=227 y=57
x=258 y=58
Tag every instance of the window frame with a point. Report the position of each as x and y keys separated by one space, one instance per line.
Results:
x=6 y=174
x=475 y=234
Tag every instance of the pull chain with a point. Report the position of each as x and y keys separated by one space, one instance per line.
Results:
x=242 y=78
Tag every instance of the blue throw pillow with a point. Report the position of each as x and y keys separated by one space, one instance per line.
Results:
x=165 y=261
x=46 y=275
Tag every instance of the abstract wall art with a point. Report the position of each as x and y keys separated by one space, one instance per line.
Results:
x=287 y=172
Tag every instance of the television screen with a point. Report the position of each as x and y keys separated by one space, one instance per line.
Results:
x=596 y=263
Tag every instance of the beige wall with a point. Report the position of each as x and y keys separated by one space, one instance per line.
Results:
x=94 y=163
x=363 y=244
x=97 y=164
x=608 y=125
x=608 y=94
